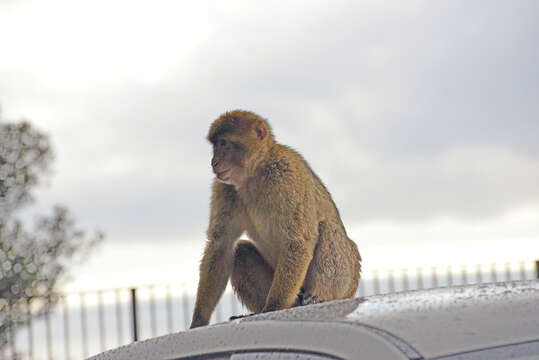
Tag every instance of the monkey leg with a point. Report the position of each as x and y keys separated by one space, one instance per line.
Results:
x=251 y=276
x=334 y=270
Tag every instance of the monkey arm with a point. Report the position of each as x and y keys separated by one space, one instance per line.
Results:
x=216 y=264
x=214 y=274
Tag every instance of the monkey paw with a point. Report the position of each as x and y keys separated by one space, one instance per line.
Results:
x=234 y=317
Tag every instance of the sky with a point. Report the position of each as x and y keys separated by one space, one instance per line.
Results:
x=421 y=117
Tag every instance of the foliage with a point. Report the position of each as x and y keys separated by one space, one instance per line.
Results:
x=31 y=262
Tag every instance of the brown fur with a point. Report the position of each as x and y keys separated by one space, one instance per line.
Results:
x=299 y=245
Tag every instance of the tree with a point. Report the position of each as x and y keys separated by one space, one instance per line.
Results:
x=31 y=262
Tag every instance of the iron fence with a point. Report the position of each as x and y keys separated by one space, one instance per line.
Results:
x=83 y=324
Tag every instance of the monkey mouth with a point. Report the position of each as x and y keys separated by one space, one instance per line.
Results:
x=224 y=175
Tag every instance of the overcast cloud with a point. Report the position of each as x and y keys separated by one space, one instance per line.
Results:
x=408 y=111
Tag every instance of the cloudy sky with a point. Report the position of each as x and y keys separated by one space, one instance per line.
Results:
x=422 y=118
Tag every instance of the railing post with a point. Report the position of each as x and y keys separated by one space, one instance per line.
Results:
x=119 y=317
x=153 y=316
x=478 y=274
x=537 y=269
x=185 y=304
x=463 y=275
x=84 y=325
x=434 y=277
x=30 y=330
x=405 y=282
x=11 y=333
x=134 y=313
x=419 y=278
x=170 y=317
x=449 y=275
x=508 y=275
x=101 y=320
x=66 y=328
x=48 y=332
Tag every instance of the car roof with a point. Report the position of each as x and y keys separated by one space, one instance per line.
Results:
x=458 y=319
x=441 y=321
x=406 y=325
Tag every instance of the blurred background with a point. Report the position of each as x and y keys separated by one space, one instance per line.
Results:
x=421 y=117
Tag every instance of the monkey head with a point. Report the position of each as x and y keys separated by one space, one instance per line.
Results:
x=240 y=139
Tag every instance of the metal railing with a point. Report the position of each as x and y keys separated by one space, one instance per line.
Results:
x=86 y=323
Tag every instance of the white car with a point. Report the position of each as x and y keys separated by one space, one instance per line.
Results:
x=489 y=321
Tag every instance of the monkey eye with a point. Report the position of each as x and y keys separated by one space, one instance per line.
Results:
x=222 y=142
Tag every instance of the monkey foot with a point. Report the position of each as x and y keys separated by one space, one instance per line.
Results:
x=306 y=299
x=309 y=299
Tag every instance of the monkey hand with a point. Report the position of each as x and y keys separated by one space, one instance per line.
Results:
x=234 y=317
x=198 y=321
x=196 y=324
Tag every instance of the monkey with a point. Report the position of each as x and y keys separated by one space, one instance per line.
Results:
x=298 y=251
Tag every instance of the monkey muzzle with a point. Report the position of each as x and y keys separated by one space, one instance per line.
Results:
x=223 y=175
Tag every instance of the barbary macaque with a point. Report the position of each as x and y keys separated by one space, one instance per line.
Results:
x=298 y=252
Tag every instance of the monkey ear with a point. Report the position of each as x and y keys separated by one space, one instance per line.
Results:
x=261 y=131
